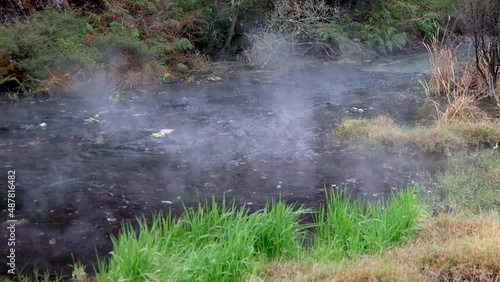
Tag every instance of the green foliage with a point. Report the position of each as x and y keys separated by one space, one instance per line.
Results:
x=336 y=33
x=414 y=17
x=220 y=242
x=162 y=27
x=383 y=38
x=44 y=40
x=380 y=30
x=213 y=242
x=471 y=183
x=349 y=229
x=384 y=27
x=74 y=49
x=115 y=45
x=182 y=44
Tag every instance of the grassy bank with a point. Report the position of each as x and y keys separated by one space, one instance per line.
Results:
x=223 y=242
x=438 y=137
x=449 y=248
x=471 y=183
x=462 y=244
x=226 y=243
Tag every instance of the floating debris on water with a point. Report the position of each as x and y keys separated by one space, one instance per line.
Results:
x=214 y=78
x=93 y=119
x=162 y=133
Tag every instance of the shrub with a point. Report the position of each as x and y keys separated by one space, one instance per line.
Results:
x=45 y=40
x=115 y=46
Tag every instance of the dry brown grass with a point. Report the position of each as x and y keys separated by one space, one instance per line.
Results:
x=449 y=248
x=444 y=68
x=126 y=74
x=449 y=77
x=455 y=79
x=440 y=136
x=57 y=80
x=460 y=108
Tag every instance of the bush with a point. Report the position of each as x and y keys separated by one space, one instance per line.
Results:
x=46 y=40
x=116 y=46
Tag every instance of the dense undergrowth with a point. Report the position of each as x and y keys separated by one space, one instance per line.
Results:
x=45 y=47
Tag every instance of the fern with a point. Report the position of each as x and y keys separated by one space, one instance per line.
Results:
x=336 y=33
x=182 y=44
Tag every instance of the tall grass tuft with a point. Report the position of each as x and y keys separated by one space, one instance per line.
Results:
x=223 y=242
x=460 y=82
x=348 y=229
x=444 y=68
x=211 y=242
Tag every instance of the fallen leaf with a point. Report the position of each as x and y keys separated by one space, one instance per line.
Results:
x=94 y=118
x=214 y=78
x=162 y=133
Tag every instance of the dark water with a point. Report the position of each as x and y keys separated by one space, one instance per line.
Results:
x=249 y=137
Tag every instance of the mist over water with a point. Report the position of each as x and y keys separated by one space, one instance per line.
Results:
x=249 y=137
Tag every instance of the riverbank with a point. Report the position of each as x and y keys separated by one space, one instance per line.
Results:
x=48 y=48
x=123 y=140
x=347 y=243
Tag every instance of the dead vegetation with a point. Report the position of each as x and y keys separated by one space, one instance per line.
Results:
x=292 y=29
x=459 y=121
x=9 y=74
x=454 y=79
x=440 y=136
x=449 y=248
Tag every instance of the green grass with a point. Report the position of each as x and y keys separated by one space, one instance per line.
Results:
x=221 y=242
x=216 y=242
x=224 y=242
x=35 y=276
x=347 y=229
x=471 y=184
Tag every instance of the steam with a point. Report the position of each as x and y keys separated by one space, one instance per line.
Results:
x=247 y=137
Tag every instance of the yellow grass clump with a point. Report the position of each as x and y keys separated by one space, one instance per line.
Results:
x=449 y=77
x=57 y=81
x=440 y=136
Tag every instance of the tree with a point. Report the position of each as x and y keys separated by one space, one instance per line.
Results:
x=482 y=18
